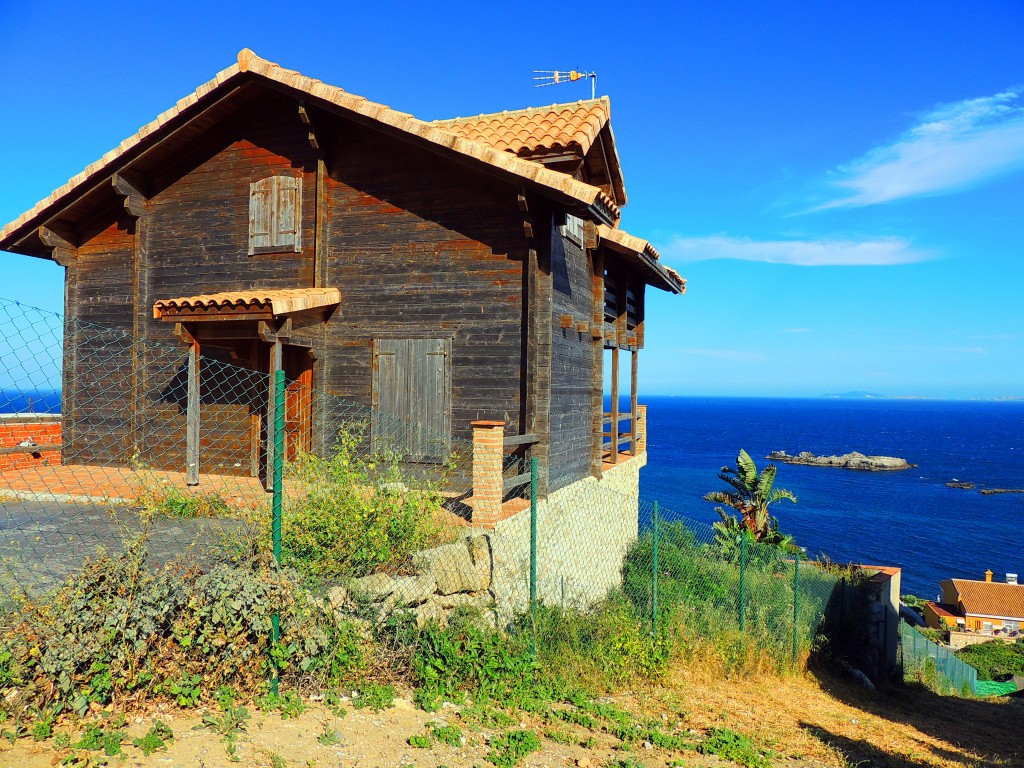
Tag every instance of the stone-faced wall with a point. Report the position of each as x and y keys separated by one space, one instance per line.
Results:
x=583 y=533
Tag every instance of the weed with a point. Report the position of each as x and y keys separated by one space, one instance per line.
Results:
x=98 y=739
x=735 y=747
x=374 y=696
x=186 y=690
x=629 y=762
x=276 y=761
x=289 y=704
x=447 y=734
x=421 y=741
x=229 y=724
x=561 y=737
x=156 y=738
x=329 y=737
x=509 y=749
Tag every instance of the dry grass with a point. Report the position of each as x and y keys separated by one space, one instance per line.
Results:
x=831 y=720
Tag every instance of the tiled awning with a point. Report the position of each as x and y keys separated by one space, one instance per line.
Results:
x=247 y=305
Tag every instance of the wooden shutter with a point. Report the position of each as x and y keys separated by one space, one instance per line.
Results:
x=288 y=204
x=275 y=214
x=261 y=205
x=412 y=397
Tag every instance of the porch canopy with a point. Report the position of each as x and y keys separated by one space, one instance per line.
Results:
x=255 y=325
x=248 y=305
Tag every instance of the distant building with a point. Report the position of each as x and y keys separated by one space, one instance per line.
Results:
x=978 y=606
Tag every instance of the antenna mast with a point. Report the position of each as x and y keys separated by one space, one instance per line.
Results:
x=557 y=76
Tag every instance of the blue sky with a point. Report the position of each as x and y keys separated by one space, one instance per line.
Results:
x=841 y=183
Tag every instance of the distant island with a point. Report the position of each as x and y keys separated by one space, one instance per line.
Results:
x=853 y=460
x=858 y=395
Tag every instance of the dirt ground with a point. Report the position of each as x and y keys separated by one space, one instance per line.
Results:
x=805 y=722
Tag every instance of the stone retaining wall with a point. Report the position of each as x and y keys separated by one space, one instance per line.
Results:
x=584 y=531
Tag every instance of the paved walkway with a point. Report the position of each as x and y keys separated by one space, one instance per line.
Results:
x=123 y=485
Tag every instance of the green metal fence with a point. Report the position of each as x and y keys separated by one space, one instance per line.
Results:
x=110 y=534
x=931 y=662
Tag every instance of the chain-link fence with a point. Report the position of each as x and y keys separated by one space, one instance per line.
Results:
x=935 y=665
x=174 y=522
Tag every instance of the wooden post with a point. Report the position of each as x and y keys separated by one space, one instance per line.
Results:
x=641 y=428
x=192 y=418
x=597 y=376
x=615 y=405
x=275 y=366
x=632 y=404
x=488 y=449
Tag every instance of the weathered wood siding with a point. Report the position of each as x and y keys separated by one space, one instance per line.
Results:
x=422 y=248
x=198 y=242
x=99 y=418
x=572 y=362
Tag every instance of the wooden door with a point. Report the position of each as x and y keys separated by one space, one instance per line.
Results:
x=412 y=397
x=298 y=401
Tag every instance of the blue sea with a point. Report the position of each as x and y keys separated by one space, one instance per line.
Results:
x=908 y=518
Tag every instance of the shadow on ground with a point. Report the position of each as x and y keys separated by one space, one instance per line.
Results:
x=982 y=732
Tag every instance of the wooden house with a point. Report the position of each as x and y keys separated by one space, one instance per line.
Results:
x=440 y=272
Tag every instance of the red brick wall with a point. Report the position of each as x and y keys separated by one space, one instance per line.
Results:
x=18 y=430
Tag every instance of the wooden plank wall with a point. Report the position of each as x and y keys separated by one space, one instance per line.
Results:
x=422 y=248
x=572 y=361
x=101 y=330
x=197 y=242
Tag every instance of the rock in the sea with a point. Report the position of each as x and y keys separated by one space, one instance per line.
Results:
x=960 y=484
x=853 y=460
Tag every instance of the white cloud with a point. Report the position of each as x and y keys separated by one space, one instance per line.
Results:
x=880 y=251
x=952 y=147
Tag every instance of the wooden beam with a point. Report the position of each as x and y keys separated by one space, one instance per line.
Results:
x=632 y=404
x=62 y=249
x=615 y=405
x=597 y=362
x=192 y=417
x=134 y=200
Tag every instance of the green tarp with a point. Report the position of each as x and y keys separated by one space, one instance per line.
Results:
x=992 y=688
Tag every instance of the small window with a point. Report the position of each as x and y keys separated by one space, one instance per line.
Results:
x=573 y=229
x=275 y=215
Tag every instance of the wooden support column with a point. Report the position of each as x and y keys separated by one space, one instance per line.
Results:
x=597 y=375
x=615 y=405
x=633 y=403
x=193 y=418
x=129 y=187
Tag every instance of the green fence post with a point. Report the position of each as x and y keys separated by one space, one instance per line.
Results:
x=278 y=489
x=796 y=606
x=533 y=554
x=654 y=569
x=743 y=582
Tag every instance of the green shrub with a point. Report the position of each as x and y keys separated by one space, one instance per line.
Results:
x=356 y=512
x=509 y=749
x=122 y=628
x=995 y=660
x=734 y=747
x=374 y=696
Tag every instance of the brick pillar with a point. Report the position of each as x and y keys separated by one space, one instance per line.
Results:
x=641 y=428
x=488 y=449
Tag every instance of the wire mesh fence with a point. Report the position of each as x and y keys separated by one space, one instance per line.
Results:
x=931 y=663
x=175 y=523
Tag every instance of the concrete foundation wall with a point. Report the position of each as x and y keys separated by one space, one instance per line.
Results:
x=583 y=533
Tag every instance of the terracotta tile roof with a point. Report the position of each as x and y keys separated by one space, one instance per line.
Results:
x=991 y=598
x=944 y=610
x=643 y=251
x=553 y=183
x=525 y=131
x=279 y=302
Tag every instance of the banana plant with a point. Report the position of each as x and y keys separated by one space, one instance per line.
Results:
x=751 y=494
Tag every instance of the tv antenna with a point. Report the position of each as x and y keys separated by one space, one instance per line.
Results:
x=557 y=76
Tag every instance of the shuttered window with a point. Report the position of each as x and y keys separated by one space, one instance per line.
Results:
x=412 y=397
x=275 y=214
